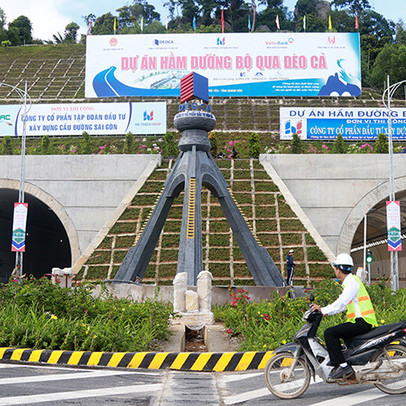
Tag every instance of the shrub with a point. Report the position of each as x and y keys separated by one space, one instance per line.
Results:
x=7 y=146
x=381 y=145
x=296 y=145
x=213 y=144
x=339 y=146
x=254 y=146
x=129 y=143
x=38 y=314
x=45 y=145
x=87 y=144
x=170 y=147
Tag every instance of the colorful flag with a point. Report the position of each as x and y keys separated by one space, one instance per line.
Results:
x=304 y=23
x=90 y=26
x=222 y=20
x=356 y=23
x=194 y=23
x=277 y=22
x=115 y=25
x=249 y=23
x=19 y=227
x=330 y=27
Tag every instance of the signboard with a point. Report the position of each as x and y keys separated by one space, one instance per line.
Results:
x=351 y=123
x=280 y=64
x=393 y=223
x=75 y=118
x=19 y=227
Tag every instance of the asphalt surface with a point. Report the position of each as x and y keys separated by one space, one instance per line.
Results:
x=49 y=385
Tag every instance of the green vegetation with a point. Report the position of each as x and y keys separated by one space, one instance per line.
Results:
x=38 y=314
x=270 y=323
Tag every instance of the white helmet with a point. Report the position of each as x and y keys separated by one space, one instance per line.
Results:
x=344 y=262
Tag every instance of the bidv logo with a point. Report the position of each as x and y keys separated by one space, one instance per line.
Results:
x=290 y=129
x=148 y=116
x=163 y=42
x=221 y=41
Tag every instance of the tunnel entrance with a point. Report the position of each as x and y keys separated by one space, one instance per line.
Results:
x=47 y=243
x=376 y=241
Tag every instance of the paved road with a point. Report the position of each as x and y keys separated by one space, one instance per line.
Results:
x=32 y=385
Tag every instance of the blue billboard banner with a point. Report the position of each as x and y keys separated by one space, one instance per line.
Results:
x=95 y=118
x=280 y=64
x=351 y=123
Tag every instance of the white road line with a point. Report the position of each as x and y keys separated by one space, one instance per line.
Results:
x=60 y=377
x=353 y=399
x=59 y=396
x=243 y=397
x=239 y=377
x=258 y=393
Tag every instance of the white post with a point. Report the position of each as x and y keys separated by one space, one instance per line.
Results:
x=365 y=243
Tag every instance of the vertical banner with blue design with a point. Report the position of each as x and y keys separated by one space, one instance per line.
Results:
x=19 y=227
x=393 y=222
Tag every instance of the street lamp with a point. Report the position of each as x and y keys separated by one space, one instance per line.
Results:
x=23 y=96
x=390 y=90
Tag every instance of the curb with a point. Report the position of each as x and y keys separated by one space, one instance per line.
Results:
x=182 y=361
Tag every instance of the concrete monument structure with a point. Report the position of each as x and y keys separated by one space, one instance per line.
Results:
x=195 y=168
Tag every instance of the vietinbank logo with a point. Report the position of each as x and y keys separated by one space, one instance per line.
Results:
x=289 y=41
x=148 y=116
x=221 y=41
x=163 y=42
x=291 y=129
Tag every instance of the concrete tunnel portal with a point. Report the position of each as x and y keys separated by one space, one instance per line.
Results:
x=47 y=242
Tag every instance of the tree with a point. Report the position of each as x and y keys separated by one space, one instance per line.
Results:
x=104 y=25
x=170 y=147
x=390 y=61
x=71 y=32
x=3 y=20
x=24 y=27
x=353 y=6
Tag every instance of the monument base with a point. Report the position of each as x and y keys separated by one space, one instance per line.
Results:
x=193 y=320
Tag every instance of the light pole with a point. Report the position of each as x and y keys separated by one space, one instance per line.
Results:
x=23 y=96
x=390 y=90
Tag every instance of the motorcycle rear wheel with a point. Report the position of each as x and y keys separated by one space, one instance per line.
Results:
x=395 y=386
x=276 y=379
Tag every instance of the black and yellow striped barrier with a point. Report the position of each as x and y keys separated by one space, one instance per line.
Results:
x=182 y=361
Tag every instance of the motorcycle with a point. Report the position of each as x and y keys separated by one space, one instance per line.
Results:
x=377 y=357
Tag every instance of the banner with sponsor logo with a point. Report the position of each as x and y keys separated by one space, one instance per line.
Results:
x=351 y=123
x=280 y=64
x=393 y=224
x=94 y=118
x=19 y=227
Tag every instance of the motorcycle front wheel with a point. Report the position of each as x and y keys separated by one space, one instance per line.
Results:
x=394 y=386
x=284 y=381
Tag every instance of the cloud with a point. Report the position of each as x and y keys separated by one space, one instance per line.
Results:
x=45 y=17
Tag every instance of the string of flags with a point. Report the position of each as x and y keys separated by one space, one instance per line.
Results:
x=277 y=22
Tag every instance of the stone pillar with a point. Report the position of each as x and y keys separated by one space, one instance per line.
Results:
x=179 y=292
x=204 y=291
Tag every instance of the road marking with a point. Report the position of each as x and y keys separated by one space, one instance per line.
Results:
x=243 y=397
x=56 y=397
x=239 y=377
x=60 y=377
x=353 y=399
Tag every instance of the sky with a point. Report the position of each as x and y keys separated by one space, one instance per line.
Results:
x=50 y=17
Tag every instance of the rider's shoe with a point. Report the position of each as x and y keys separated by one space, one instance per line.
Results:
x=341 y=372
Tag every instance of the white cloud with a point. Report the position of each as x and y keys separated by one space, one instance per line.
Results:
x=44 y=15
